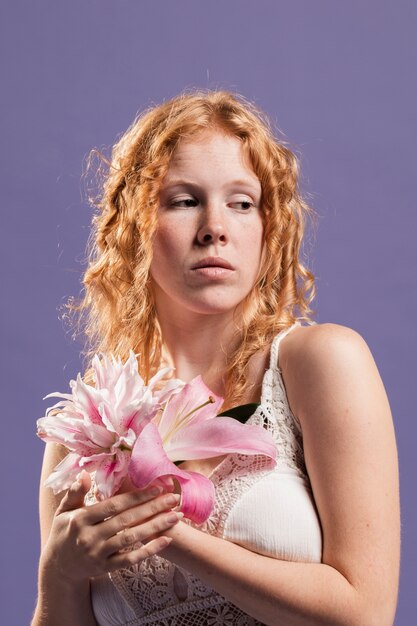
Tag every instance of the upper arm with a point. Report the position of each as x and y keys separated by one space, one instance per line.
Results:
x=335 y=390
x=48 y=502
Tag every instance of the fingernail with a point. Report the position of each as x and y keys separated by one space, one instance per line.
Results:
x=174 y=517
x=172 y=499
x=164 y=542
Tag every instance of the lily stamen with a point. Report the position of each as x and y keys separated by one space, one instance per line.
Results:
x=182 y=420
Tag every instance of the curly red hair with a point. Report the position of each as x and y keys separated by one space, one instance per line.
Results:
x=117 y=307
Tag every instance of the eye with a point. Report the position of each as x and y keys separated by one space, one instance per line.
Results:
x=245 y=205
x=184 y=202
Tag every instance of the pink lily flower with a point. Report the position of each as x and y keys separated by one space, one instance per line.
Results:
x=121 y=427
x=187 y=429
x=99 y=425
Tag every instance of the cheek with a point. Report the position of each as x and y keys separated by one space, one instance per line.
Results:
x=255 y=249
x=254 y=242
x=168 y=246
x=165 y=241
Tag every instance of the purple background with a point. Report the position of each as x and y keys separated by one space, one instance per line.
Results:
x=339 y=78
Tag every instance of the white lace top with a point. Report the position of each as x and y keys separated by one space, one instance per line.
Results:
x=268 y=510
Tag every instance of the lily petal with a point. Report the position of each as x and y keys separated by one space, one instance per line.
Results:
x=64 y=473
x=73 y=433
x=87 y=399
x=149 y=462
x=159 y=376
x=110 y=470
x=172 y=387
x=194 y=403
x=197 y=495
x=221 y=435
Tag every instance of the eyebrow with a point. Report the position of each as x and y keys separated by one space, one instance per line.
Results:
x=188 y=183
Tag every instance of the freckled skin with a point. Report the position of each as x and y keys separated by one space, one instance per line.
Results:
x=209 y=207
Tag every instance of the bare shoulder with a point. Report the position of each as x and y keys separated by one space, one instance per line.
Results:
x=321 y=339
x=324 y=358
x=335 y=390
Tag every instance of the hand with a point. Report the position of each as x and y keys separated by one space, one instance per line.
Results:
x=89 y=541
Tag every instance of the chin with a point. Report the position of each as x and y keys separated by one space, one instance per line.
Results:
x=213 y=301
x=214 y=307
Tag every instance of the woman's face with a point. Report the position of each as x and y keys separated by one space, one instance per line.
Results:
x=208 y=244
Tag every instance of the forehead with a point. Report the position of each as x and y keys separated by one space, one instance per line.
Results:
x=211 y=154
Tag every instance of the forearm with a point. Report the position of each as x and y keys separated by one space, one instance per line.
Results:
x=273 y=591
x=62 y=602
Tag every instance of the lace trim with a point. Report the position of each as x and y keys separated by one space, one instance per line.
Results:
x=159 y=592
x=156 y=589
x=213 y=612
x=171 y=596
x=282 y=423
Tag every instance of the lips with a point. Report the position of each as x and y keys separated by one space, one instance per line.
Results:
x=212 y=261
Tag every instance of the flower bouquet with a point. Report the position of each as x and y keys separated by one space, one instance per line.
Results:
x=121 y=428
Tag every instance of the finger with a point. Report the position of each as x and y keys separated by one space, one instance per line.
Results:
x=165 y=482
x=141 y=533
x=138 y=515
x=113 y=506
x=126 y=559
x=74 y=498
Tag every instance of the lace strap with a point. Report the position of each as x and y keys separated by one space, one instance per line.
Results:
x=273 y=360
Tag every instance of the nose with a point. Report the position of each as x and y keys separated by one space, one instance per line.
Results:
x=213 y=228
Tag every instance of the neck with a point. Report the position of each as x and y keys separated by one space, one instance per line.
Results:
x=198 y=344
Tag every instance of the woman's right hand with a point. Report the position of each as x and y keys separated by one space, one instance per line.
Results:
x=86 y=541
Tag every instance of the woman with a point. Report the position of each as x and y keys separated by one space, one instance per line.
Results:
x=196 y=263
